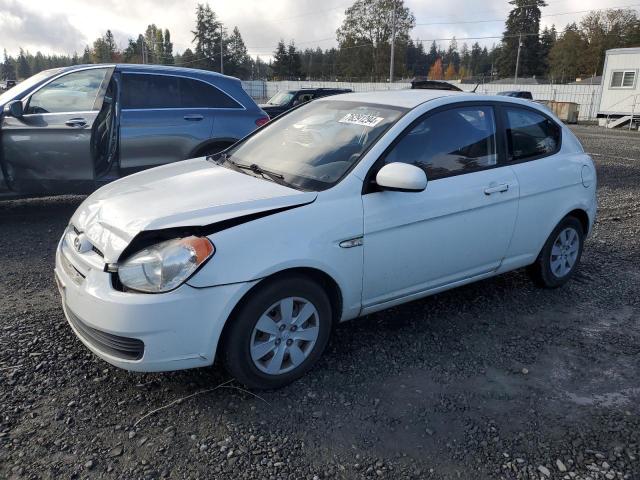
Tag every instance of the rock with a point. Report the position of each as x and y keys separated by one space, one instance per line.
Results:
x=116 y=451
x=561 y=466
x=525 y=371
x=544 y=471
x=132 y=434
x=89 y=464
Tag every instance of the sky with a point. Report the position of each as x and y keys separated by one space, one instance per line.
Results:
x=66 y=26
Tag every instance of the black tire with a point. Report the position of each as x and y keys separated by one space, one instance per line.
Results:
x=541 y=271
x=238 y=336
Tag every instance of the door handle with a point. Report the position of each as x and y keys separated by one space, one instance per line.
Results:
x=76 y=122
x=193 y=117
x=503 y=187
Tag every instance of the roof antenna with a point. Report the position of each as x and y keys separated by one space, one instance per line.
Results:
x=482 y=81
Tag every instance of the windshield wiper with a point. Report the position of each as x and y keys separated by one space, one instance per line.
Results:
x=259 y=170
x=222 y=158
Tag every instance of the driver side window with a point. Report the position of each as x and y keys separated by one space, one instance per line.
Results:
x=453 y=141
x=74 y=92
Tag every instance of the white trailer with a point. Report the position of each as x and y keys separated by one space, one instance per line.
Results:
x=620 y=99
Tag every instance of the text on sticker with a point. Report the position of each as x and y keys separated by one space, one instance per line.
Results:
x=361 y=119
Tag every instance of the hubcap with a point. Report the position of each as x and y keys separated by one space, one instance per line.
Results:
x=564 y=252
x=284 y=335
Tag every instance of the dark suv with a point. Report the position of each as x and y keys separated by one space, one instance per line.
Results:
x=287 y=99
x=517 y=94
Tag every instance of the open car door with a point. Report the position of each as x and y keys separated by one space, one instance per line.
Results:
x=58 y=142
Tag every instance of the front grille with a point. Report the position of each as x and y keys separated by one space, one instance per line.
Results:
x=123 y=347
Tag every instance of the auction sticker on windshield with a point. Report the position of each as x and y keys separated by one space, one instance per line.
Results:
x=361 y=119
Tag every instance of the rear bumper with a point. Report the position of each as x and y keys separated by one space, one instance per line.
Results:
x=146 y=332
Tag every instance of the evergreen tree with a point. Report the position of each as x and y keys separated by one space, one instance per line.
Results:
x=187 y=59
x=206 y=37
x=547 y=39
x=524 y=19
x=294 y=64
x=565 y=61
x=238 y=62
x=86 y=56
x=167 y=48
x=280 y=64
x=22 y=68
x=8 y=67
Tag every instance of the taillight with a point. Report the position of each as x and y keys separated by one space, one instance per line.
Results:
x=261 y=121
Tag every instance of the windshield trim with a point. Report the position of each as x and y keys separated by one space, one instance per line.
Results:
x=402 y=111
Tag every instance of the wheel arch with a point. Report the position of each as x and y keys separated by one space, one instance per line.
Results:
x=582 y=216
x=326 y=281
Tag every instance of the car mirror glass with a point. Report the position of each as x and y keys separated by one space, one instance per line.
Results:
x=14 y=109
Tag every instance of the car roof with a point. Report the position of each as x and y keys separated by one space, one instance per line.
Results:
x=133 y=67
x=395 y=98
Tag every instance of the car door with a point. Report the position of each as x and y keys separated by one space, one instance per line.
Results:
x=49 y=148
x=545 y=175
x=156 y=127
x=460 y=226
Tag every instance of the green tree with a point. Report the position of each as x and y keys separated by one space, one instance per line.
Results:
x=238 y=62
x=22 y=68
x=8 y=67
x=548 y=38
x=566 y=60
x=280 y=64
x=167 y=48
x=366 y=30
x=524 y=19
x=207 y=38
x=86 y=56
x=606 y=29
x=104 y=49
x=187 y=59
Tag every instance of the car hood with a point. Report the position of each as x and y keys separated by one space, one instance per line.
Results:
x=183 y=194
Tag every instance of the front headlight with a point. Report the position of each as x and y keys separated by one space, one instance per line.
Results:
x=166 y=265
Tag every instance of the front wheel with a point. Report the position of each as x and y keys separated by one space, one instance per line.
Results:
x=278 y=333
x=560 y=255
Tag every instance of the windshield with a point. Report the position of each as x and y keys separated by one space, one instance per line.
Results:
x=22 y=87
x=314 y=146
x=280 y=98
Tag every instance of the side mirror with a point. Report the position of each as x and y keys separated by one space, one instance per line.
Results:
x=14 y=109
x=402 y=177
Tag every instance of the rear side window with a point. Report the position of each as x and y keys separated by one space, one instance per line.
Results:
x=530 y=134
x=197 y=94
x=150 y=91
x=165 y=91
x=450 y=142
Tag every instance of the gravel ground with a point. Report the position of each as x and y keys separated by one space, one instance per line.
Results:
x=496 y=380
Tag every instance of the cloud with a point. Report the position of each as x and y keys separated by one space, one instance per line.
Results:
x=34 y=30
x=65 y=26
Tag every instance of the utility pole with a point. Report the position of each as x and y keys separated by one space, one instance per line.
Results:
x=221 y=56
x=518 y=57
x=393 y=42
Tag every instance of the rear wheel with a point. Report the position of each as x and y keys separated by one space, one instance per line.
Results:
x=560 y=255
x=278 y=333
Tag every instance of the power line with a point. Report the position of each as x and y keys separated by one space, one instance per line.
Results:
x=541 y=16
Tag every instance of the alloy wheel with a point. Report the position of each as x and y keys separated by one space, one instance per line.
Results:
x=284 y=335
x=564 y=252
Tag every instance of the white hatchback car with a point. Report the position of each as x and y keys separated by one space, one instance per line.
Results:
x=342 y=207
